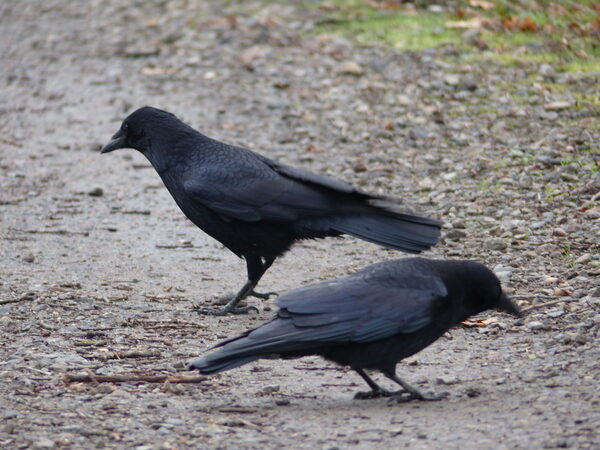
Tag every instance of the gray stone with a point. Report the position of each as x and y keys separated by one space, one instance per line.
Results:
x=28 y=257
x=536 y=325
x=10 y=414
x=418 y=133
x=270 y=389
x=495 y=244
x=455 y=235
x=447 y=379
x=42 y=444
x=174 y=421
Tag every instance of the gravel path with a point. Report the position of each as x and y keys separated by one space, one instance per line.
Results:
x=94 y=249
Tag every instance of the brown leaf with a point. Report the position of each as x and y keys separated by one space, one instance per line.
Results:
x=460 y=13
x=575 y=26
x=560 y=292
x=478 y=323
x=312 y=148
x=527 y=24
x=386 y=4
x=509 y=23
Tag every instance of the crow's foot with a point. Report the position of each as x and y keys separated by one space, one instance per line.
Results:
x=377 y=393
x=418 y=395
x=263 y=295
x=225 y=311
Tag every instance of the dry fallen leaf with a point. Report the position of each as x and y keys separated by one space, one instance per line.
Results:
x=527 y=24
x=386 y=4
x=478 y=323
x=481 y=4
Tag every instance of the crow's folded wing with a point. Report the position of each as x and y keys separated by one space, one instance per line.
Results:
x=259 y=193
x=359 y=309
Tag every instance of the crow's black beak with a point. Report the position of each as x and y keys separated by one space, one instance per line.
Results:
x=116 y=142
x=507 y=305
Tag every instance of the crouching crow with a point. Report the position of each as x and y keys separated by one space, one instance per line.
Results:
x=369 y=320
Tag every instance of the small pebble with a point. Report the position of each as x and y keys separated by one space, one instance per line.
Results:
x=495 y=244
x=270 y=389
x=104 y=388
x=455 y=235
x=559 y=232
x=42 y=444
x=96 y=192
x=174 y=421
x=10 y=414
x=452 y=79
x=592 y=214
x=557 y=106
x=28 y=257
x=536 y=325
x=584 y=259
x=350 y=68
x=418 y=133
x=447 y=379
x=473 y=392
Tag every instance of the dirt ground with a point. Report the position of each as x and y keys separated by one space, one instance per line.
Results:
x=100 y=270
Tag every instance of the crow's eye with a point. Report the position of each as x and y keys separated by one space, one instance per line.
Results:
x=124 y=127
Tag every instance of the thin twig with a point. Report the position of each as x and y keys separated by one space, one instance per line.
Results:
x=82 y=233
x=26 y=297
x=129 y=354
x=14 y=201
x=132 y=379
x=92 y=377
x=543 y=305
x=238 y=410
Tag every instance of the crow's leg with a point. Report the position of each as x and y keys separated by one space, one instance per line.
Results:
x=415 y=394
x=256 y=269
x=267 y=262
x=376 y=390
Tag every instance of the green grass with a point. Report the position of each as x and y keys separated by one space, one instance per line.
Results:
x=407 y=32
x=559 y=32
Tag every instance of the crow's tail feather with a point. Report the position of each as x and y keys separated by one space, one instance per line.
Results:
x=272 y=339
x=381 y=225
x=399 y=231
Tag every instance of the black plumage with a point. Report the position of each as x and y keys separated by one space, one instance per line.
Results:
x=369 y=320
x=257 y=207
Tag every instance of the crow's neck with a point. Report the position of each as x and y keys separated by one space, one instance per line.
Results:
x=167 y=152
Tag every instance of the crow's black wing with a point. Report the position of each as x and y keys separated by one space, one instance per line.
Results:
x=309 y=177
x=362 y=309
x=254 y=192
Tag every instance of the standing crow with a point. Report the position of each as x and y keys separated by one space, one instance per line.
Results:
x=369 y=320
x=257 y=207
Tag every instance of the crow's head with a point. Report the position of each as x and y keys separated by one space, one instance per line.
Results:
x=139 y=128
x=484 y=290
